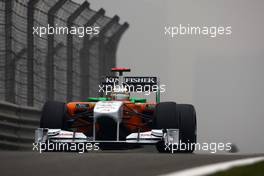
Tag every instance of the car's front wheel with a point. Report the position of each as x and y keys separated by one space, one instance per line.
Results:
x=53 y=115
x=169 y=115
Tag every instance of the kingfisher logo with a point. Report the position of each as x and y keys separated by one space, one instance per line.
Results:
x=141 y=80
x=132 y=80
x=111 y=80
x=131 y=84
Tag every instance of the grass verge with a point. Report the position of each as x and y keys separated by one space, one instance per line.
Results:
x=256 y=169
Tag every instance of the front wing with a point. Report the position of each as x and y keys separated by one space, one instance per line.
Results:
x=170 y=136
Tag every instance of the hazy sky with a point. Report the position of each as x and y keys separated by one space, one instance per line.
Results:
x=222 y=76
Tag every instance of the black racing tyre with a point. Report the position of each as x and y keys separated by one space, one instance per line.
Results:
x=53 y=115
x=179 y=116
x=165 y=116
x=188 y=126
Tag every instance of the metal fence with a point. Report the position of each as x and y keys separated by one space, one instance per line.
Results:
x=35 y=69
x=17 y=126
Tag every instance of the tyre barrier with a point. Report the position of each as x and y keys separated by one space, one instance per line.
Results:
x=17 y=126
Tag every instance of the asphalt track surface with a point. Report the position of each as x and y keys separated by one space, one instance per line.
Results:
x=133 y=162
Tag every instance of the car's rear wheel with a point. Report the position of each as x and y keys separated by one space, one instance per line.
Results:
x=188 y=126
x=169 y=115
x=53 y=115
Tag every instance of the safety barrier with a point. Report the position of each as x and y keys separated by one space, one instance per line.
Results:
x=17 y=126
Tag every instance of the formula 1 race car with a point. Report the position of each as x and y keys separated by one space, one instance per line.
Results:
x=117 y=120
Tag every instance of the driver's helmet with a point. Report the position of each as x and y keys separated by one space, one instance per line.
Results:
x=118 y=94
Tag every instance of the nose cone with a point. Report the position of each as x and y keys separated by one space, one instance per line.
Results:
x=107 y=128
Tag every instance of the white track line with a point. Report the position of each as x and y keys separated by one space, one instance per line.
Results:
x=212 y=168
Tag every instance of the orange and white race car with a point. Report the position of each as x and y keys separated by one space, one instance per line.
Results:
x=117 y=120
